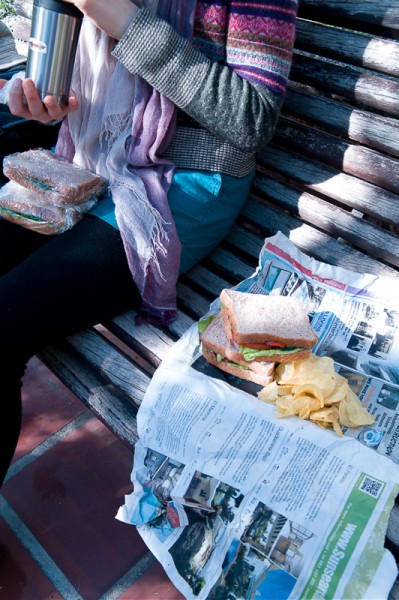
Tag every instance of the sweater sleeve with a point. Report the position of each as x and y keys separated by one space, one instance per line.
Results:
x=230 y=100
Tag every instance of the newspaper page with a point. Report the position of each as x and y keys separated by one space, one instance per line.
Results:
x=236 y=503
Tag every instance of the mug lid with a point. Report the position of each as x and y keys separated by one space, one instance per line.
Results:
x=59 y=6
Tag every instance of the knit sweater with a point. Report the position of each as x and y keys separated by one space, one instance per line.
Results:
x=228 y=82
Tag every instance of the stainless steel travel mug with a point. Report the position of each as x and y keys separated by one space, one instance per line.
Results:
x=52 y=47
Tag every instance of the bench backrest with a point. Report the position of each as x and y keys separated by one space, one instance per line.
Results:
x=330 y=177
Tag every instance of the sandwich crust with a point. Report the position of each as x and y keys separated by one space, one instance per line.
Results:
x=214 y=343
x=247 y=374
x=257 y=318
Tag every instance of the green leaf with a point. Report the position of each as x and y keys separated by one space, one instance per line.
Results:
x=250 y=353
x=203 y=323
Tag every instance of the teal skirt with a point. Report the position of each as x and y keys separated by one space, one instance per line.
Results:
x=204 y=205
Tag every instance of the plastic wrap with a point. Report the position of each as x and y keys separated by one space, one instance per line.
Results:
x=5 y=90
x=58 y=181
x=32 y=210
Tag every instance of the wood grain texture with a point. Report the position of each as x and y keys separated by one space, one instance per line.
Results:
x=353 y=48
x=348 y=12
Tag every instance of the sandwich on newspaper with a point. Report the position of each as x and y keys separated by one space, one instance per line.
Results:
x=252 y=332
x=267 y=328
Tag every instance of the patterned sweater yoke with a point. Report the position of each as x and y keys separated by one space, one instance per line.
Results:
x=255 y=39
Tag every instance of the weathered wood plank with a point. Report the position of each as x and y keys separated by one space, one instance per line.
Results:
x=110 y=362
x=376 y=131
x=352 y=48
x=269 y=220
x=384 y=13
x=332 y=183
x=364 y=163
x=210 y=284
x=190 y=301
x=347 y=81
x=393 y=526
x=337 y=222
x=150 y=342
x=112 y=407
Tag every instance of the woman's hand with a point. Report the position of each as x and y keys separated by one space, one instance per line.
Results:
x=25 y=102
x=112 y=16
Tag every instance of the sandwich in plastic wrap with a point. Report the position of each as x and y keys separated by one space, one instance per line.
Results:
x=26 y=208
x=60 y=182
x=46 y=193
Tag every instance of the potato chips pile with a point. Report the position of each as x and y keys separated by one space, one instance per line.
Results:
x=313 y=390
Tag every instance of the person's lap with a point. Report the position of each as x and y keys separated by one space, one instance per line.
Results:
x=204 y=206
x=51 y=287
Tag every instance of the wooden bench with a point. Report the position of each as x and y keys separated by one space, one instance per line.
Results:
x=329 y=180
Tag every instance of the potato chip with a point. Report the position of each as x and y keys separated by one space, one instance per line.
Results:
x=307 y=405
x=319 y=372
x=311 y=389
x=328 y=416
x=302 y=406
x=283 y=390
x=353 y=414
x=339 y=392
x=285 y=371
x=306 y=390
x=269 y=393
x=325 y=414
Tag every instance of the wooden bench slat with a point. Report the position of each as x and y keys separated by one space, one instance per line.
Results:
x=393 y=534
x=353 y=159
x=339 y=222
x=311 y=241
x=347 y=81
x=345 y=189
x=211 y=284
x=375 y=131
x=375 y=12
x=355 y=48
x=110 y=362
x=190 y=301
x=113 y=408
x=150 y=342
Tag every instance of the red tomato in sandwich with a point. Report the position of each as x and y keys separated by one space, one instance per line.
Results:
x=262 y=346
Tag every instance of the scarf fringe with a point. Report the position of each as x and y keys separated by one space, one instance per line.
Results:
x=112 y=128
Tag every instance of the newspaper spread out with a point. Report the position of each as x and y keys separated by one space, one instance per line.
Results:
x=238 y=504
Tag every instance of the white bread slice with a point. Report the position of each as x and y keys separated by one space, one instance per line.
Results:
x=257 y=318
x=214 y=341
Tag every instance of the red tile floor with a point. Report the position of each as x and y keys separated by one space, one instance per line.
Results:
x=58 y=531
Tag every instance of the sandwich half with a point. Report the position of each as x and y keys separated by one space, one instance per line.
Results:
x=266 y=328
x=215 y=345
x=60 y=182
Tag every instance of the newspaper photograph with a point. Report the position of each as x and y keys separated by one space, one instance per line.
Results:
x=237 y=503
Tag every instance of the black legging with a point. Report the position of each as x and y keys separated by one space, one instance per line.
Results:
x=51 y=287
